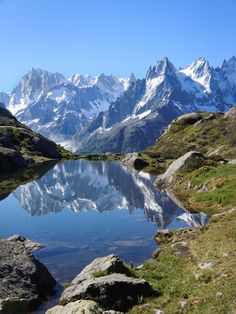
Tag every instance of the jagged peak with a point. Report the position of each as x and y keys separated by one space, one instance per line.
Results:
x=162 y=67
x=198 y=67
x=132 y=78
x=229 y=64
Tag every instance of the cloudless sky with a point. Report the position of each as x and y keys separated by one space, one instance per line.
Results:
x=111 y=36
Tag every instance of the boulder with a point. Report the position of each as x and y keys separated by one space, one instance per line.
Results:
x=192 y=160
x=231 y=114
x=105 y=281
x=29 y=244
x=115 y=291
x=24 y=281
x=77 y=307
x=105 y=265
x=133 y=160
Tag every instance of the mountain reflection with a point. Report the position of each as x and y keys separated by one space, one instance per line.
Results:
x=102 y=186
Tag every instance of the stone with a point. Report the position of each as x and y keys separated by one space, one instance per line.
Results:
x=29 y=244
x=24 y=281
x=192 y=159
x=232 y=162
x=107 y=265
x=133 y=160
x=156 y=253
x=77 y=307
x=231 y=114
x=219 y=294
x=184 y=305
x=115 y=291
x=205 y=265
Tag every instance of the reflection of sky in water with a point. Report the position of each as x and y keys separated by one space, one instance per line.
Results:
x=83 y=210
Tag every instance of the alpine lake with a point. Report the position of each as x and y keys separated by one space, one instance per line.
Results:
x=81 y=210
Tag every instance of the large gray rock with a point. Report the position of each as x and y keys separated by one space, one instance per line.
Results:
x=77 y=307
x=231 y=114
x=24 y=281
x=115 y=291
x=133 y=160
x=105 y=281
x=30 y=245
x=107 y=265
x=191 y=159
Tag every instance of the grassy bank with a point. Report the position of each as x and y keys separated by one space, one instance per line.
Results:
x=178 y=272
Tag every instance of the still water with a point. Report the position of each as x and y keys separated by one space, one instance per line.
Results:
x=82 y=210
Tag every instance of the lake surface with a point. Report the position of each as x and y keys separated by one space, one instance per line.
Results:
x=82 y=210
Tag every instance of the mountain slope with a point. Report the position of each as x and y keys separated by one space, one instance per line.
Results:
x=212 y=134
x=20 y=147
x=137 y=118
x=104 y=113
x=58 y=107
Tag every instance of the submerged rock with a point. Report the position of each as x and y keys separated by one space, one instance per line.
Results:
x=24 y=281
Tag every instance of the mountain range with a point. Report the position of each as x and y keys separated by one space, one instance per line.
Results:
x=109 y=114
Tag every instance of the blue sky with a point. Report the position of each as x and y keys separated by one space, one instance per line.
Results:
x=111 y=36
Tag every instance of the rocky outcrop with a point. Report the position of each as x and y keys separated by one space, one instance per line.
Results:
x=231 y=114
x=106 y=265
x=24 y=281
x=114 y=291
x=133 y=160
x=192 y=160
x=29 y=244
x=107 y=285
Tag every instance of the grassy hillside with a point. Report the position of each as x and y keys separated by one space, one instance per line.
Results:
x=20 y=146
x=194 y=269
x=212 y=134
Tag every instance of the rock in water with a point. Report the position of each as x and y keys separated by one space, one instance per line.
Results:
x=24 y=281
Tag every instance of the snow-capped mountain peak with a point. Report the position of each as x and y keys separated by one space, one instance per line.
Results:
x=81 y=80
x=33 y=85
x=162 y=67
x=200 y=72
x=229 y=68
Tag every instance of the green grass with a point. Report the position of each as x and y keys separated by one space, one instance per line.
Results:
x=179 y=279
x=224 y=196
x=100 y=273
x=219 y=183
x=183 y=136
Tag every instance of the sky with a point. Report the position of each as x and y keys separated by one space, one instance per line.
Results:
x=111 y=36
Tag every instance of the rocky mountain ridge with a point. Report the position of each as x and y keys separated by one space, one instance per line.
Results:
x=109 y=114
